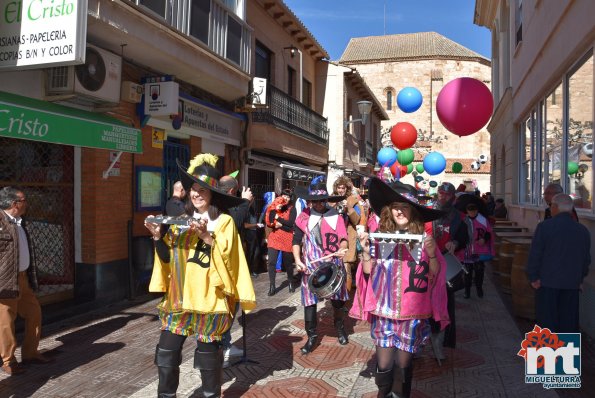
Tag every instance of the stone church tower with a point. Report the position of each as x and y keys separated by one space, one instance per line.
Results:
x=426 y=61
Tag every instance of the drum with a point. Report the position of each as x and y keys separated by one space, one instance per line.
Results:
x=327 y=279
x=455 y=273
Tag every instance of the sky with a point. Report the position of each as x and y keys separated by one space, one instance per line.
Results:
x=334 y=22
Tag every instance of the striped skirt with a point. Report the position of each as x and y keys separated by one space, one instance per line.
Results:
x=407 y=335
x=207 y=327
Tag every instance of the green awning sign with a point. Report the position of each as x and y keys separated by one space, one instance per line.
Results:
x=31 y=119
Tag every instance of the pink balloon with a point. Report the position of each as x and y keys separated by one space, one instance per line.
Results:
x=464 y=106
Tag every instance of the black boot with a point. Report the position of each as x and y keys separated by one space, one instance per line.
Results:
x=272 y=289
x=211 y=371
x=468 y=278
x=339 y=314
x=479 y=270
x=311 y=322
x=291 y=278
x=401 y=387
x=384 y=382
x=168 y=366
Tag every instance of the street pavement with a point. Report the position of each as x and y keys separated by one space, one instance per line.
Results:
x=109 y=353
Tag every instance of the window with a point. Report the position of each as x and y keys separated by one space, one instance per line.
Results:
x=291 y=90
x=234 y=40
x=199 y=19
x=157 y=6
x=580 y=134
x=552 y=141
x=526 y=176
x=307 y=93
x=263 y=61
x=556 y=140
x=389 y=100
x=519 y=21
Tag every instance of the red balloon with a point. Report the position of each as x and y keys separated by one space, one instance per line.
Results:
x=403 y=135
x=464 y=106
x=402 y=170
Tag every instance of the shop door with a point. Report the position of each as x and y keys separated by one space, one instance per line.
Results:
x=171 y=152
x=260 y=181
x=44 y=172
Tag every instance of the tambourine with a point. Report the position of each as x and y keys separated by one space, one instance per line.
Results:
x=327 y=279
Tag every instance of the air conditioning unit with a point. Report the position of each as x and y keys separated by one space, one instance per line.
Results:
x=96 y=83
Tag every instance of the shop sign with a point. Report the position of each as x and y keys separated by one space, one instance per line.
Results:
x=161 y=98
x=202 y=118
x=30 y=119
x=42 y=32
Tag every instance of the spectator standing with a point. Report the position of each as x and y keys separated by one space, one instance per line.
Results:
x=558 y=262
x=500 y=210
x=548 y=193
x=18 y=280
x=175 y=205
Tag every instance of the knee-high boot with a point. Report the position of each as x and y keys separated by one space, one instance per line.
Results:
x=211 y=371
x=168 y=366
x=311 y=321
x=291 y=280
x=468 y=278
x=339 y=315
x=384 y=382
x=479 y=270
x=401 y=387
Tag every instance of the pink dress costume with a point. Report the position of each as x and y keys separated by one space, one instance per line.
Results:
x=322 y=235
x=475 y=253
x=403 y=296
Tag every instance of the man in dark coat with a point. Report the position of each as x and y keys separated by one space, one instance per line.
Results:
x=558 y=262
x=175 y=205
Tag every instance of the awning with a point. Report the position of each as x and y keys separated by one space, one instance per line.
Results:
x=32 y=119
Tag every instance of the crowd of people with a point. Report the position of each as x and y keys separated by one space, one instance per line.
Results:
x=399 y=254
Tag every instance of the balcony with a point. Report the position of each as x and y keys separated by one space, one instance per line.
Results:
x=367 y=155
x=287 y=113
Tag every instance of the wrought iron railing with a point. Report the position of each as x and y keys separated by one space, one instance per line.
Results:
x=291 y=115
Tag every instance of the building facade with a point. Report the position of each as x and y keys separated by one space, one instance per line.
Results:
x=88 y=200
x=426 y=61
x=542 y=127
x=353 y=144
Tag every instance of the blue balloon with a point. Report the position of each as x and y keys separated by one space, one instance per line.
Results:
x=409 y=99
x=434 y=163
x=386 y=156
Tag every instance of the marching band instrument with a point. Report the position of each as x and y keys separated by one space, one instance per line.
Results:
x=384 y=237
x=327 y=279
x=183 y=220
x=455 y=273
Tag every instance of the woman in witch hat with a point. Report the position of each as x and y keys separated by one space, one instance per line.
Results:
x=319 y=231
x=203 y=274
x=408 y=286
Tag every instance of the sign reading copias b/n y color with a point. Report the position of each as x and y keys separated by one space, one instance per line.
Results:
x=42 y=32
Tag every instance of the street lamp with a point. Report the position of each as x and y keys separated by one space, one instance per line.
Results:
x=364 y=108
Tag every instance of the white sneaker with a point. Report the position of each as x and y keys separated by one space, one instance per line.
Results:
x=232 y=351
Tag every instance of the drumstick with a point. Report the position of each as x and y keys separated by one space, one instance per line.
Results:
x=328 y=256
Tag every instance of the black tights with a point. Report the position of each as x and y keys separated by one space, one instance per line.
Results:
x=174 y=342
x=387 y=356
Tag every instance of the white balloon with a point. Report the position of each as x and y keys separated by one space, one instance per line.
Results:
x=482 y=158
x=475 y=166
